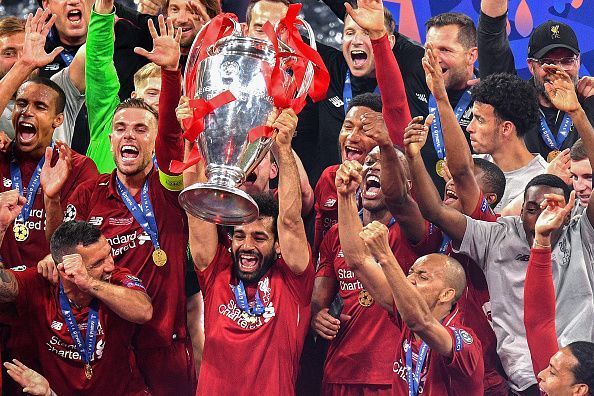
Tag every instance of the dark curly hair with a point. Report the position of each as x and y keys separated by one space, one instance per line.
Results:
x=368 y=99
x=512 y=98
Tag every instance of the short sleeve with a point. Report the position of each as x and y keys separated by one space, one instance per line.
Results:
x=327 y=255
x=300 y=285
x=123 y=277
x=467 y=356
x=221 y=260
x=587 y=234
x=477 y=240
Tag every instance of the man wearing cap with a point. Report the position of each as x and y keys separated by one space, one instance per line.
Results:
x=551 y=42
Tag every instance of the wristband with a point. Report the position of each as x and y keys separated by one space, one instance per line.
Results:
x=541 y=246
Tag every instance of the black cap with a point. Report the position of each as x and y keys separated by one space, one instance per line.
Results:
x=551 y=35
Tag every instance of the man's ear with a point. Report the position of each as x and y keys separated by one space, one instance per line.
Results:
x=58 y=120
x=447 y=295
x=273 y=171
x=472 y=55
x=491 y=198
x=392 y=40
x=133 y=95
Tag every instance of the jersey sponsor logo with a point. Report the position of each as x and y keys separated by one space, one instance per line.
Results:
x=96 y=221
x=348 y=281
x=57 y=325
x=70 y=213
x=7 y=182
x=336 y=101
x=330 y=202
x=233 y=312
x=523 y=257
x=120 y=222
x=120 y=244
x=421 y=97
x=399 y=368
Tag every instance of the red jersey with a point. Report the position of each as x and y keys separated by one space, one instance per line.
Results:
x=364 y=346
x=114 y=368
x=462 y=374
x=100 y=204
x=240 y=357
x=36 y=246
x=474 y=304
x=326 y=206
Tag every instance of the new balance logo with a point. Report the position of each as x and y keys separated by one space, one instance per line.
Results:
x=523 y=257
x=57 y=325
x=96 y=221
x=330 y=203
x=336 y=101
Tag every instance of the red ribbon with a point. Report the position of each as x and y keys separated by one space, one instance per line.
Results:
x=193 y=158
x=258 y=132
x=201 y=107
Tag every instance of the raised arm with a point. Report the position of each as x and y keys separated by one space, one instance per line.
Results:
x=307 y=194
x=369 y=14
x=539 y=290
x=11 y=204
x=52 y=178
x=452 y=222
x=102 y=83
x=411 y=306
x=129 y=304
x=561 y=92
x=32 y=57
x=460 y=163
x=492 y=40
x=356 y=255
x=291 y=231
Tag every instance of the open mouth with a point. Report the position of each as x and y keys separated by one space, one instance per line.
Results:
x=359 y=58
x=74 y=16
x=372 y=187
x=584 y=198
x=353 y=153
x=26 y=131
x=248 y=262
x=450 y=196
x=129 y=152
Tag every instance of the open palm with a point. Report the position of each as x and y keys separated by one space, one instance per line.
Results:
x=36 y=29
x=560 y=89
x=54 y=177
x=369 y=14
x=166 y=51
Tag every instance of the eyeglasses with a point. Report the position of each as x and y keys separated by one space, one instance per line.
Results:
x=565 y=63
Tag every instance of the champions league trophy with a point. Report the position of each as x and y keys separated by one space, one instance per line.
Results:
x=229 y=142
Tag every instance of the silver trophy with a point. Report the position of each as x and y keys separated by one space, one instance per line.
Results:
x=241 y=65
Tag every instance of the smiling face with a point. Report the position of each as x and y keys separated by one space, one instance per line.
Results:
x=455 y=60
x=97 y=259
x=11 y=47
x=356 y=49
x=182 y=17
x=581 y=178
x=254 y=248
x=558 y=378
x=555 y=56
x=133 y=140
x=35 y=117
x=72 y=19
x=354 y=144
x=371 y=187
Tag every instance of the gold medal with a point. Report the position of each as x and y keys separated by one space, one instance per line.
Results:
x=552 y=155
x=21 y=232
x=88 y=371
x=159 y=257
x=440 y=168
x=365 y=298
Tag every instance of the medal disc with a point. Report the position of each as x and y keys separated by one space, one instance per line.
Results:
x=365 y=298
x=159 y=257
x=440 y=168
x=552 y=155
x=21 y=232
x=88 y=371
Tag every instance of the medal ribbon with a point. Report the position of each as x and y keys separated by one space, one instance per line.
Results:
x=547 y=135
x=143 y=213
x=347 y=91
x=436 y=132
x=242 y=301
x=414 y=379
x=444 y=244
x=66 y=55
x=87 y=348
x=17 y=182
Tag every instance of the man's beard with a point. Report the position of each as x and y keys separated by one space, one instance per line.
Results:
x=253 y=277
x=540 y=88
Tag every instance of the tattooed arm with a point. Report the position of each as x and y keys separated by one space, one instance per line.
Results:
x=11 y=205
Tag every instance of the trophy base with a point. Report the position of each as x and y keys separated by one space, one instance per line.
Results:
x=219 y=204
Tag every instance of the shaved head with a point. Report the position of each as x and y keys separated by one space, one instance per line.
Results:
x=445 y=269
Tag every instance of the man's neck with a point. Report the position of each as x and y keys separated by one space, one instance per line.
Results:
x=77 y=298
x=512 y=156
x=134 y=183
x=383 y=216
x=71 y=41
x=34 y=155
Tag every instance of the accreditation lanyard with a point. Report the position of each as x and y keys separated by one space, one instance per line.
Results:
x=17 y=182
x=66 y=55
x=242 y=300
x=547 y=135
x=414 y=378
x=436 y=132
x=143 y=213
x=445 y=242
x=85 y=348
x=347 y=91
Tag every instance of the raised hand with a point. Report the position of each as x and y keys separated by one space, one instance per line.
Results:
x=374 y=127
x=199 y=14
x=585 y=87
x=375 y=236
x=46 y=267
x=369 y=15
x=32 y=382
x=560 y=89
x=415 y=135
x=73 y=269
x=559 y=166
x=53 y=177
x=11 y=204
x=348 y=177
x=150 y=7
x=36 y=29
x=433 y=73
x=327 y=326
x=166 y=51
x=554 y=214
x=4 y=142
x=285 y=125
